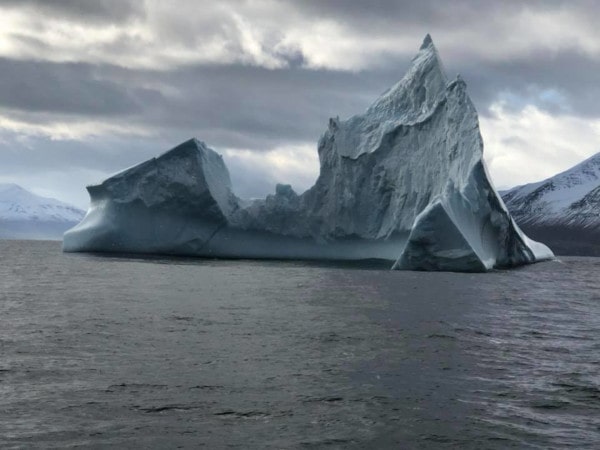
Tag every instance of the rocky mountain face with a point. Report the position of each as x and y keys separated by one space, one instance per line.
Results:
x=563 y=211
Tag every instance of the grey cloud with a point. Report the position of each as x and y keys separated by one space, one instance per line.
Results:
x=572 y=75
x=242 y=106
x=432 y=13
x=96 y=11
x=228 y=106
x=66 y=88
x=257 y=108
x=36 y=44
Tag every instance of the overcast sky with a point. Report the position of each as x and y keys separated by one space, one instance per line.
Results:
x=88 y=87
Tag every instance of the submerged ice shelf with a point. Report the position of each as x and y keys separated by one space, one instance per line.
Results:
x=405 y=182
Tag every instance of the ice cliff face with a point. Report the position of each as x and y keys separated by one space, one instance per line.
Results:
x=564 y=210
x=405 y=181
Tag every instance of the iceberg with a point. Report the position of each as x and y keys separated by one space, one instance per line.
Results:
x=405 y=182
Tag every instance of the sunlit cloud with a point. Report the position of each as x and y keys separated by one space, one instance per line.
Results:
x=72 y=129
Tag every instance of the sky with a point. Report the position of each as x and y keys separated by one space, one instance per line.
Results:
x=89 y=87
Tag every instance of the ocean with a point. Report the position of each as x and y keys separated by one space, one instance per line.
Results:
x=100 y=351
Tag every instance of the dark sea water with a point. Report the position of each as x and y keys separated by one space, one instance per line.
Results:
x=107 y=352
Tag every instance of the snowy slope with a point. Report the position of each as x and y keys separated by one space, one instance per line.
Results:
x=25 y=215
x=563 y=210
x=571 y=197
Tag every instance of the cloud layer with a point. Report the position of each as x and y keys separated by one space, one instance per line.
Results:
x=87 y=88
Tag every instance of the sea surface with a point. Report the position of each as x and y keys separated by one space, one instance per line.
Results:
x=128 y=352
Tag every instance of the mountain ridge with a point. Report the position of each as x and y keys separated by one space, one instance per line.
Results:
x=563 y=210
x=25 y=215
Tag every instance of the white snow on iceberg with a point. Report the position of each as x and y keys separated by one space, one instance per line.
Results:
x=404 y=182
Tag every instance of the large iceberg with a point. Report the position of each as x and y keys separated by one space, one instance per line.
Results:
x=403 y=182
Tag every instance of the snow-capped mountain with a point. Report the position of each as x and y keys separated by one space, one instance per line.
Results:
x=24 y=215
x=564 y=210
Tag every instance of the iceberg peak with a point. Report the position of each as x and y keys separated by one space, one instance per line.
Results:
x=418 y=91
x=427 y=42
x=411 y=100
x=193 y=146
x=426 y=58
